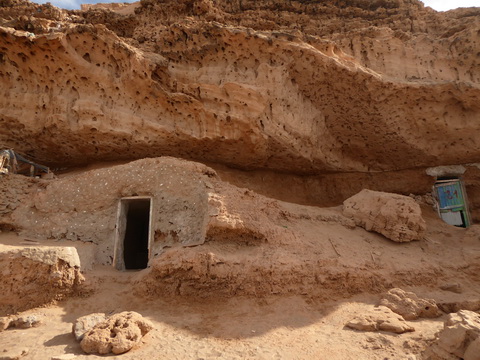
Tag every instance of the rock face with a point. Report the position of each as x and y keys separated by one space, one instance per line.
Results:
x=289 y=86
x=409 y=305
x=459 y=339
x=118 y=334
x=323 y=95
x=86 y=323
x=35 y=276
x=380 y=319
x=397 y=217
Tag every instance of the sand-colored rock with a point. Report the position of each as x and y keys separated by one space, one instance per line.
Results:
x=453 y=287
x=86 y=323
x=34 y=276
x=118 y=334
x=409 y=305
x=472 y=304
x=397 y=217
x=319 y=99
x=63 y=357
x=111 y=6
x=25 y=321
x=473 y=350
x=13 y=354
x=248 y=90
x=380 y=319
x=459 y=339
x=5 y=322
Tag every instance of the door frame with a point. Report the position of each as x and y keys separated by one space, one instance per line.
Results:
x=461 y=208
x=120 y=228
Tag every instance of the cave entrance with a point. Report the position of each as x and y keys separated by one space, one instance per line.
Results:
x=133 y=233
x=452 y=201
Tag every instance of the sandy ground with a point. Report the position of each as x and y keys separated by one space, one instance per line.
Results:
x=239 y=328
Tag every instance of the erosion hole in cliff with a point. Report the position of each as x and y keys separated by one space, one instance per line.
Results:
x=133 y=233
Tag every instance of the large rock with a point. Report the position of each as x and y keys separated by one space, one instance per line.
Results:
x=118 y=334
x=35 y=276
x=380 y=319
x=397 y=217
x=86 y=323
x=409 y=305
x=459 y=338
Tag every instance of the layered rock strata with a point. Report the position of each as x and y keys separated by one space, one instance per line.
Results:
x=277 y=95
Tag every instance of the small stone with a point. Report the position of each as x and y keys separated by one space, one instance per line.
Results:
x=85 y=323
x=5 y=322
x=13 y=354
x=380 y=319
x=456 y=288
x=409 y=305
x=455 y=306
x=25 y=321
x=63 y=357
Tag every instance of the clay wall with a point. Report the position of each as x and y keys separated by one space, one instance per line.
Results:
x=83 y=207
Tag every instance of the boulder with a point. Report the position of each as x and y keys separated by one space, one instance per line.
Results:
x=380 y=319
x=459 y=338
x=35 y=276
x=85 y=323
x=118 y=334
x=409 y=305
x=397 y=217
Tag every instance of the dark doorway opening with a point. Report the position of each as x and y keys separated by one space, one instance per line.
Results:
x=133 y=237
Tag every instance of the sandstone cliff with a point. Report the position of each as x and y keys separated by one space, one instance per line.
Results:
x=300 y=88
x=303 y=87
